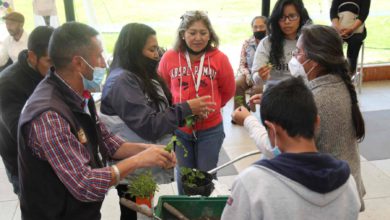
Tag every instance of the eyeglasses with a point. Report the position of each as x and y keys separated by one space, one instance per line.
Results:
x=296 y=52
x=291 y=17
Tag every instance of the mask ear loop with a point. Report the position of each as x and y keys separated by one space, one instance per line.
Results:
x=274 y=129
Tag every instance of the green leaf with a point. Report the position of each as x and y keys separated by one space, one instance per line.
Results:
x=193 y=175
x=239 y=99
x=175 y=142
x=190 y=121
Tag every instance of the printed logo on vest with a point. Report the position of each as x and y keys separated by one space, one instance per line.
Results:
x=81 y=136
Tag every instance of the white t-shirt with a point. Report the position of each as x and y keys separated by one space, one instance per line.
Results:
x=10 y=48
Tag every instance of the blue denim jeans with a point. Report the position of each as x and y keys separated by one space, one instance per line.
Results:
x=203 y=151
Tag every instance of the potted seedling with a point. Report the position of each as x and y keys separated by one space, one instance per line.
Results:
x=196 y=182
x=143 y=187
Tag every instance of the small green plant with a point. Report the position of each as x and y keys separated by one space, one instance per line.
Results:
x=175 y=142
x=270 y=65
x=194 y=176
x=190 y=121
x=142 y=186
x=239 y=100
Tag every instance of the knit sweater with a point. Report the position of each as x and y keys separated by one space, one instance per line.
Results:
x=337 y=133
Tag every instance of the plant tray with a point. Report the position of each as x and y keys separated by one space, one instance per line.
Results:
x=194 y=208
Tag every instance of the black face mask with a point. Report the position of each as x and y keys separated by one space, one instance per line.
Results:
x=259 y=34
x=190 y=51
x=150 y=65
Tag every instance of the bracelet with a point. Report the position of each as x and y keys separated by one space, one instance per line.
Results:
x=117 y=174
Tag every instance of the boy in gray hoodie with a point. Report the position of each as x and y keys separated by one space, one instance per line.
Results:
x=300 y=183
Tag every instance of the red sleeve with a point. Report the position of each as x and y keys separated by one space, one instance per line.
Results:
x=226 y=83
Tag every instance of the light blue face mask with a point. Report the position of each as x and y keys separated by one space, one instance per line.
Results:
x=98 y=77
x=275 y=150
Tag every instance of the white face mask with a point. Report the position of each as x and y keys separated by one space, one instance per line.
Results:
x=296 y=68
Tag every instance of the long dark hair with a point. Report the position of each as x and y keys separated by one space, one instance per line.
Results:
x=128 y=55
x=324 y=45
x=276 y=34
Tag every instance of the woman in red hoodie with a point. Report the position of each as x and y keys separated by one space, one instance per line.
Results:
x=194 y=68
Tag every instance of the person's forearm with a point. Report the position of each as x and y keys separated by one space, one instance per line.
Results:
x=125 y=167
x=336 y=23
x=357 y=24
x=129 y=149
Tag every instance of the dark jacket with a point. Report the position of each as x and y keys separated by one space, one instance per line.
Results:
x=17 y=83
x=123 y=96
x=42 y=194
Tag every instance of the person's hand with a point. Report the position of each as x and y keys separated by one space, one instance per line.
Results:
x=256 y=99
x=336 y=26
x=264 y=72
x=345 y=32
x=156 y=156
x=201 y=106
x=240 y=114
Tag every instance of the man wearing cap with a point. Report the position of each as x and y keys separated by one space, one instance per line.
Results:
x=17 y=83
x=17 y=39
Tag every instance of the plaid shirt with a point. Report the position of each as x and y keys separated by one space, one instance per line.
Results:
x=51 y=139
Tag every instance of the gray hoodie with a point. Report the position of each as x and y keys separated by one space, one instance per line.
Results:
x=268 y=191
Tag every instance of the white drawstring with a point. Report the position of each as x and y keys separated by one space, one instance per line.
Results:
x=180 y=83
x=211 y=77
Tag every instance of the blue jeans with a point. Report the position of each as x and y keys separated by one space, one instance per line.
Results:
x=203 y=151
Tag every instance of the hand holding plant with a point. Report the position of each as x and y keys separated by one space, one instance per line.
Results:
x=201 y=106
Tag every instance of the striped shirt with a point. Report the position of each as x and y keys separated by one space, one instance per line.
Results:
x=51 y=139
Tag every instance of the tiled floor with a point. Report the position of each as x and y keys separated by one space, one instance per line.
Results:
x=376 y=174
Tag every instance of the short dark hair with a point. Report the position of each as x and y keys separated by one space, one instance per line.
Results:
x=291 y=105
x=69 y=40
x=38 y=41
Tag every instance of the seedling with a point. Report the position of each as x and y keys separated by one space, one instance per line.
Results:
x=239 y=99
x=175 y=142
x=190 y=121
x=143 y=186
x=194 y=176
x=269 y=65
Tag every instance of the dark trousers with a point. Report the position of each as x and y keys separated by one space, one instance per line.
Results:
x=354 y=44
x=126 y=213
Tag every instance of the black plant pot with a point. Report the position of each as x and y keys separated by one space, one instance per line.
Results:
x=203 y=187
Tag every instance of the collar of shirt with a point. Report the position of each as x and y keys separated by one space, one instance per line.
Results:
x=82 y=99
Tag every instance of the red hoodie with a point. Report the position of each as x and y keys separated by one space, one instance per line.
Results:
x=173 y=65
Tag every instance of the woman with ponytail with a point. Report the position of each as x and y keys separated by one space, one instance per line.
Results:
x=319 y=59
